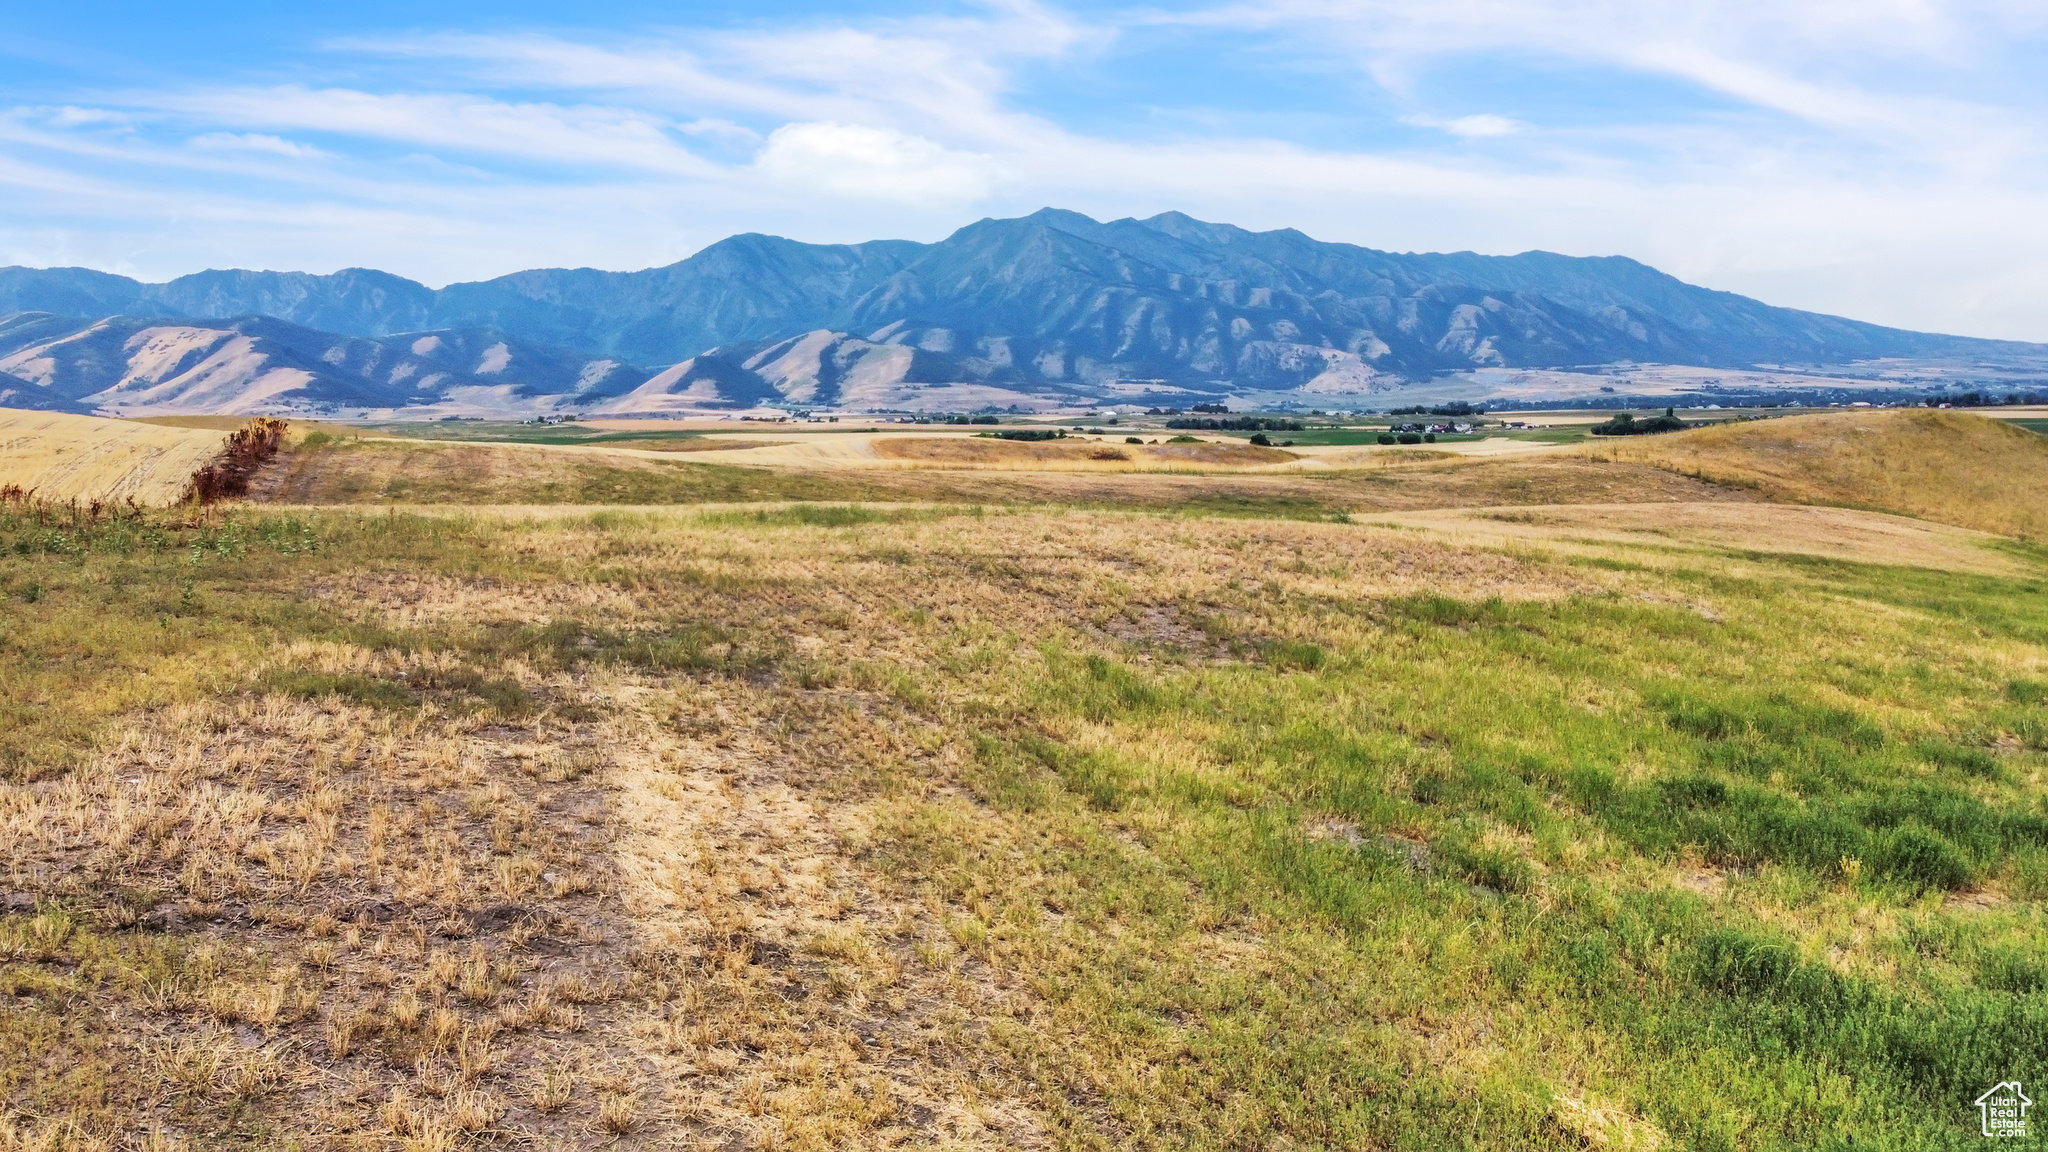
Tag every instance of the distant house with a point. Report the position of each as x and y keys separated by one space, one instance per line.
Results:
x=2003 y=1110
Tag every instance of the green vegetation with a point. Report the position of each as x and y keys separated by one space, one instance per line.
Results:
x=1625 y=424
x=1249 y=835
x=1567 y=434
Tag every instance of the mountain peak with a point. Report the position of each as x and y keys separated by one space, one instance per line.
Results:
x=1047 y=309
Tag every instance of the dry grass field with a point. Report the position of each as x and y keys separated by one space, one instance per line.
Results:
x=414 y=472
x=1548 y=802
x=62 y=457
x=1954 y=467
x=964 y=451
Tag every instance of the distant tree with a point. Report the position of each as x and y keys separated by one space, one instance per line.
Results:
x=1624 y=424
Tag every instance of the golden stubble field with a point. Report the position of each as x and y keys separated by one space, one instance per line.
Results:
x=62 y=457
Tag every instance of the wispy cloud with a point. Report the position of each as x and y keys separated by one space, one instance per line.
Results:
x=1479 y=124
x=1883 y=158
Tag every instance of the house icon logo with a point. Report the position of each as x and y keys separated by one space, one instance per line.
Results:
x=2004 y=1110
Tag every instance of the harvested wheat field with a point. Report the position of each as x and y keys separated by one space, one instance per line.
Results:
x=61 y=457
x=1540 y=802
x=324 y=471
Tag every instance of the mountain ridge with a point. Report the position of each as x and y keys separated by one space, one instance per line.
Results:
x=1051 y=308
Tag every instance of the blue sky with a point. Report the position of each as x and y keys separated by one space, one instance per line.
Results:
x=1882 y=159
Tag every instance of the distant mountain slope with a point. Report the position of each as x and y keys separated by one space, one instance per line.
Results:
x=353 y=301
x=1051 y=307
x=258 y=365
x=747 y=287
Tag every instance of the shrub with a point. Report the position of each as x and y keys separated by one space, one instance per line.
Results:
x=1387 y=438
x=1262 y=440
x=1737 y=962
x=227 y=475
x=1693 y=792
x=1132 y=440
x=1411 y=438
x=1429 y=437
x=1921 y=859
x=1238 y=424
x=2010 y=969
x=1624 y=424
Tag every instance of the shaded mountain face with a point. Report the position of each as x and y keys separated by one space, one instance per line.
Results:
x=355 y=301
x=1055 y=307
x=743 y=288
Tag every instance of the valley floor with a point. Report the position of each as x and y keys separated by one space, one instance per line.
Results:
x=1546 y=802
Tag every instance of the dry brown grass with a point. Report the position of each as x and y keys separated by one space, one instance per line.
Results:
x=359 y=899
x=300 y=429
x=62 y=457
x=496 y=474
x=1953 y=467
x=695 y=444
x=646 y=914
x=1102 y=455
x=1677 y=532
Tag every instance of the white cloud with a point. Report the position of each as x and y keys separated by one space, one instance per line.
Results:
x=580 y=134
x=254 y=142
x=1879 y=158
x=1480 y=125
x=74 y=117
x=855 y=160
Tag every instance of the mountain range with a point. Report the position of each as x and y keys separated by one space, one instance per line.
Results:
x=1047 y=310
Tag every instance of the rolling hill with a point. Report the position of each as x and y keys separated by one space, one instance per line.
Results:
x=1953 y=467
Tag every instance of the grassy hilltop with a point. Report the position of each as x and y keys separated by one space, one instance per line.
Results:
x=1431 y=801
